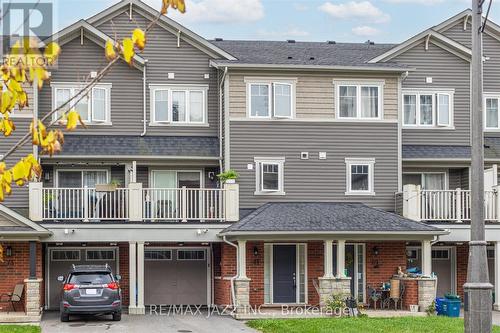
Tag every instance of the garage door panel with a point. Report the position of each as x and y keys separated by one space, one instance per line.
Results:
x=181 y=280
x=61 y=261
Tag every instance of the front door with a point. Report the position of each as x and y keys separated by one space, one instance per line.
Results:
x=284 y=273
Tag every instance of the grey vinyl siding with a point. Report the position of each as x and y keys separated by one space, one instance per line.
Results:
x=314 y=179
x=75 y=63
x=187 y=62
x=19 y=196
x=448 y=72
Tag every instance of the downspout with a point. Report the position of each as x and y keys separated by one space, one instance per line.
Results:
x=233 y=296
x=221 y=84
x=144 y=80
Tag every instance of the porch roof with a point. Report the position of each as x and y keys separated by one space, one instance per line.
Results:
x=326 y=217
x=426 y=152
x=137 y=146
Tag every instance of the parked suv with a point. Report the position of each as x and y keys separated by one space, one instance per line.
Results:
x=90 y=289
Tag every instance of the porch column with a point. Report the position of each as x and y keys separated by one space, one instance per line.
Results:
x=328 y=257
x=496 y=306
x=426 y=257
x=242 y=259
x=140 y=278
x=132 y=271
x=340 y=258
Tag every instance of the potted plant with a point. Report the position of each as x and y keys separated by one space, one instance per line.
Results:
x=110 y=187
x=228 y=176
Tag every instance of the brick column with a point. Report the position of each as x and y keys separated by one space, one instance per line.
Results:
x=32 y=297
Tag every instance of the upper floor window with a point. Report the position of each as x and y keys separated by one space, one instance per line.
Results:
x=94 y=108
x=427 y=109
x=360 y=176
x=359 y=100
x=270 y=99
x=492 y=120
x=269 y=175
x=178 y=105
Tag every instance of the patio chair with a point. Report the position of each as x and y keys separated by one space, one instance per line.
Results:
x=374 y=296
x=395 y=295
x=14 y=297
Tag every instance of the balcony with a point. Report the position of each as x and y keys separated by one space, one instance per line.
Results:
x=133 y=204
x=443 y=205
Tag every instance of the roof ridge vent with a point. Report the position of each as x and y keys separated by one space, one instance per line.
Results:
x=291 y=41
x=369 y=42
x=331 y=42
x=218 y=39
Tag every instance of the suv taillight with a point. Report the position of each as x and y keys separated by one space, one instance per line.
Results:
x=69 y=286
x=113 y=286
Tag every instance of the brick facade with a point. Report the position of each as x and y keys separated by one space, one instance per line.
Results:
x=15 y=269
x=411 y=293
x=462 y=262
x=315 y=269
x=224 y=269
x=382 y=266
x=123 y=262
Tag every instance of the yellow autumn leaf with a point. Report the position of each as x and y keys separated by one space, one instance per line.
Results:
x=22 y=99
x=139 y=38
x=7 y=126
x=175 y=4
x=3 y=166
x=6 y=101
x=5 y=72
x=128 y=50
x=51 y=53
x=21 y=172
x=72 y=119
x=110 y=50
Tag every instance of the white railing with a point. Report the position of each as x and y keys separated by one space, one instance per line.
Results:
x=85 y=204
x=183 y=204
x=445 y=205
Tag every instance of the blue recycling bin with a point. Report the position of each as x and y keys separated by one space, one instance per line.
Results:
x=448 y=307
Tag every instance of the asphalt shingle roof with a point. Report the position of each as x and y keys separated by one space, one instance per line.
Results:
x=304 y=53
x=15 y=228
x=325 y=216
x=435 y=151
x=120 y=145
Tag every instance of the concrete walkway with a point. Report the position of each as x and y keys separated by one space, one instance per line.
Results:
x=144 y=324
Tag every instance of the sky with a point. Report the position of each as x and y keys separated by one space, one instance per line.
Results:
x=382 y=21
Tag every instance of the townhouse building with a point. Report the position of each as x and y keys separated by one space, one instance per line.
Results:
x=353 y=162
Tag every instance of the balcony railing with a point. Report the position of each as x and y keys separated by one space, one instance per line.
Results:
x=445 y=205
x=134 y=204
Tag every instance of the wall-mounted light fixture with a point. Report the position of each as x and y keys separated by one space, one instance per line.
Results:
x=8 y=251
x=375 y=250
x=255 y=251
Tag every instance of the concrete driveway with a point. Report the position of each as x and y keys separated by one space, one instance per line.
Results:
x=144 y=324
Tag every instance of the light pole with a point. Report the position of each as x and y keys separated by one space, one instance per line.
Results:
x=477 y=289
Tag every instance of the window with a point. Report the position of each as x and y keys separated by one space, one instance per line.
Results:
x=427 y=180
x=411 y=254
x=100 y=255
x=151 y=255
x=190 y=254
x=270 y=99
x=65 y=255
x=427 y=109
x=359 y=176
x=359 y=101
x=81 y=178
x=178 y=105
x=95 y=107
x=442 y=254
x=269 y=175
x=492 y=120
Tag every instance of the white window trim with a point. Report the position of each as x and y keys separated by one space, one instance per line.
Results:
x=370 y=162
x=435 y=115
x=173 y=87
x=196 y=259
x=280 y=161
x=358 y=84
x=269 y=82
x=491 y=96
x=159 y=249
x=56 y=180
x=76 y=86
x=64 y=250
x=446 y=250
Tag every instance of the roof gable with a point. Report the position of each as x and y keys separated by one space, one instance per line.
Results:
x=10 y=218
x=164 y=21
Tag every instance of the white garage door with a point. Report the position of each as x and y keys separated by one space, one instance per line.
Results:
x=60 y=261
x=177 y=276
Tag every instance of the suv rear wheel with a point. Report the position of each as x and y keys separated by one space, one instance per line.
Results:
x=64 y=317
x=117 y=316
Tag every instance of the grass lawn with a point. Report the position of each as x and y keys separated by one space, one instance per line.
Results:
x=432 y=324
x=19 y=329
